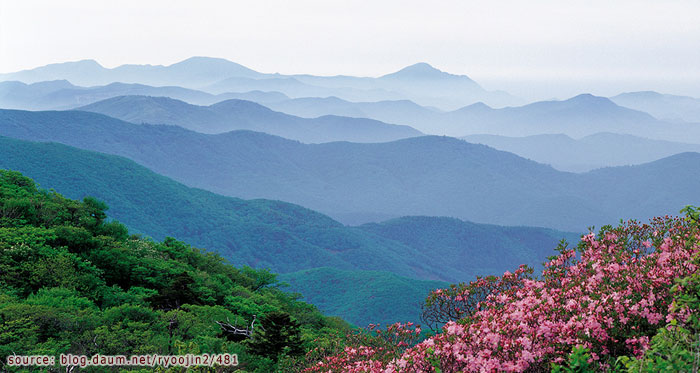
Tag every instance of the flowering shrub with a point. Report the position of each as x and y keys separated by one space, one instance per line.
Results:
x=676 y=348
x=462 y=300
x=608 y=297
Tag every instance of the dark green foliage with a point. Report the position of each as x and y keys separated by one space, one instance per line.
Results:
x=280 y=333
x=175 y=293
x=72 y=282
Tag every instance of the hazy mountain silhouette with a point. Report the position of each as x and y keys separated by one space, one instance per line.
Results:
x=435 y=176
x=662 y=106
x=238 y=114
x=425 y=80
x=292 y=87
x=420 y=82
x=578 y=116
x=62 y=95
x=261 y=97
x=192 y=73
x=590 y=152
x=403 y=111
x=86 y=72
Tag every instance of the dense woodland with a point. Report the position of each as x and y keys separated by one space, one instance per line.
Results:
x=71 y=280
x=289 y=239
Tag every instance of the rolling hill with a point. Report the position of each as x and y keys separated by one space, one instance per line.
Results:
x=239 y=114
x=587 y=153
x=433 y=176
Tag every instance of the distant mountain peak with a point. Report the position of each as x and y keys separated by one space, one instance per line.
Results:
x=583 y=96
x=220 y=68
x=421 y=70
x=205 y=58
x=587 y=98
x=200 y=60
x=476 y=107
x=86 y=62
x=436 y=81
x=479 y=105
x=421 y=67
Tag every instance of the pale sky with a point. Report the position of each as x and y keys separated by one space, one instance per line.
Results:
x=552 y=47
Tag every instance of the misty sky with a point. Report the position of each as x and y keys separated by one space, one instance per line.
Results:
x=532 y=48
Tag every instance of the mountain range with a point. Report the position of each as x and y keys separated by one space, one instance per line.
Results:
x=419 y=82
x=192 y=72
x=239 y=114
x=587 y=153
x=422 y=83
x=285 y=237
x=353 y=182
x=576 y=117
x=579 y=116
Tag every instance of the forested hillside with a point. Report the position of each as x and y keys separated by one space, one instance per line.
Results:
x=72 y=281
x=284 y=237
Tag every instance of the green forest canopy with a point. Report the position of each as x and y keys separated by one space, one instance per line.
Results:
x=73 y=282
